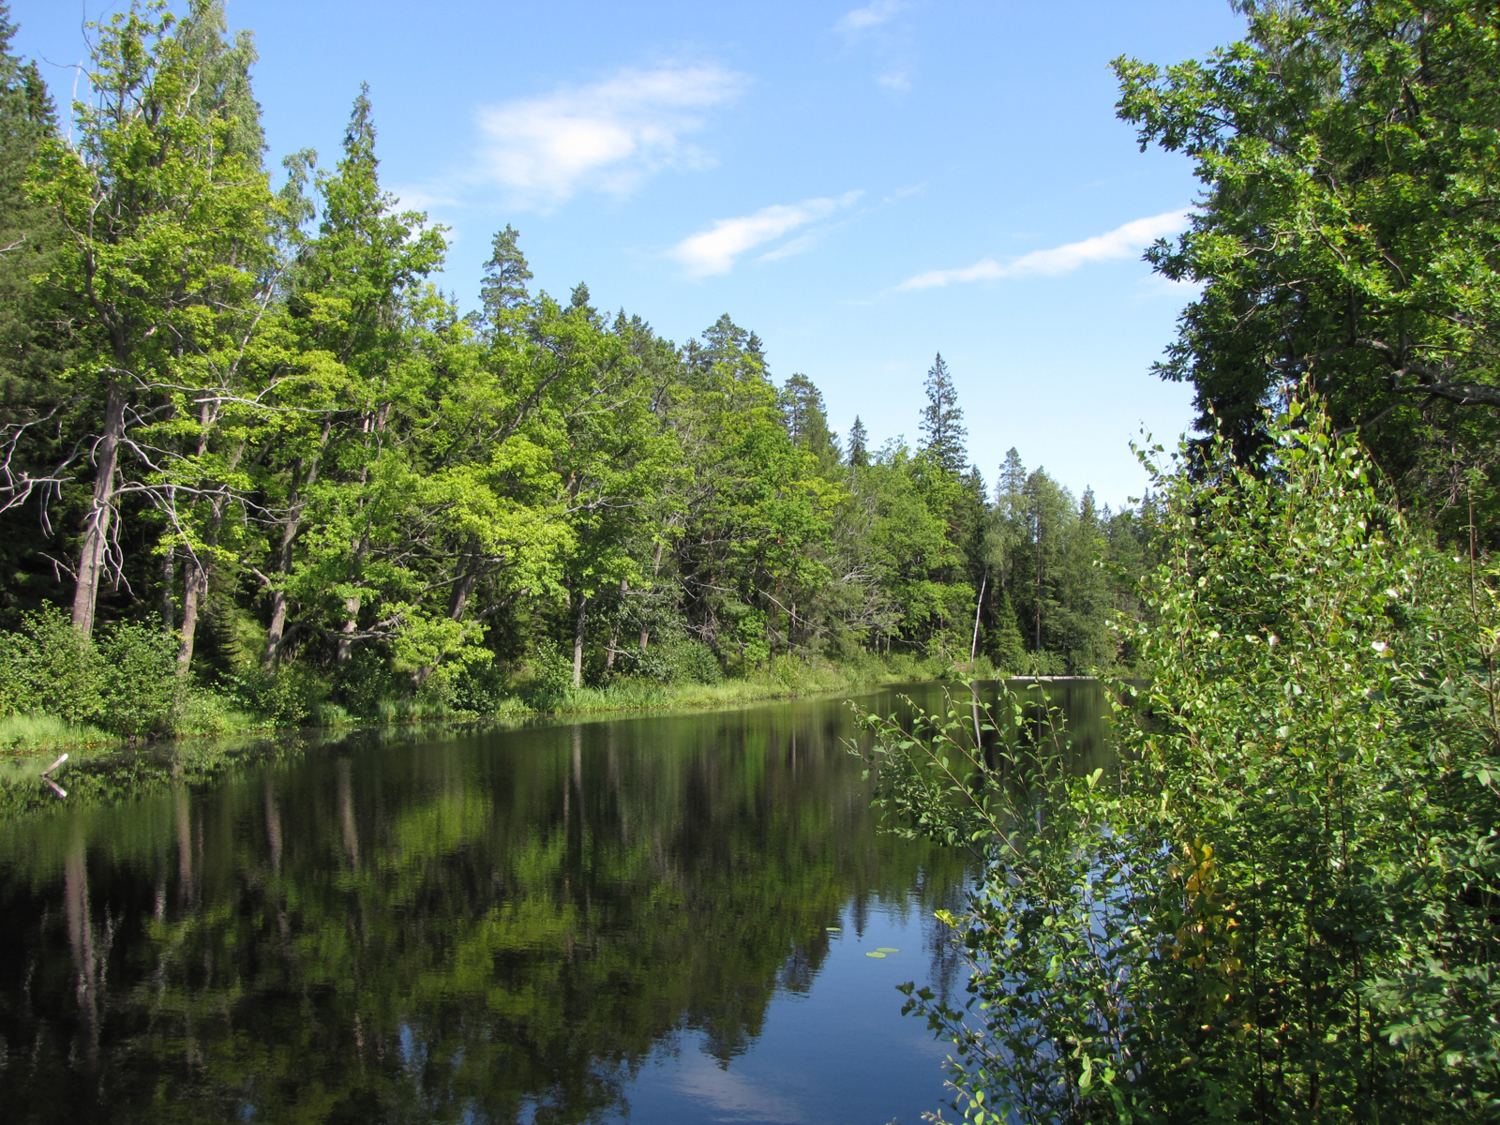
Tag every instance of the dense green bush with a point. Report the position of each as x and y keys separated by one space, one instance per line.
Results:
x=46 y=667
x=289 y=695
x=481 y=687
x=1280 y=906
x=139 y=684
x=366 y=680
x=678 y=660
x=124 y=684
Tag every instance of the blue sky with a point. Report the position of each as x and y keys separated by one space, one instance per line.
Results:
x=862 y=185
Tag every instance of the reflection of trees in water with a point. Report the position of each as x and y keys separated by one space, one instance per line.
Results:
x=503 y=927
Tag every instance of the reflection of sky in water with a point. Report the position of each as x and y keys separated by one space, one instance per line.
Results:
x=628 y=919
x=839 y=1052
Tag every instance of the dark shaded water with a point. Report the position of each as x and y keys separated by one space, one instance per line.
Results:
x=663 y=919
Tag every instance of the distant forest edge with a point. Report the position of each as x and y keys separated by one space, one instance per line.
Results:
x=253 y=461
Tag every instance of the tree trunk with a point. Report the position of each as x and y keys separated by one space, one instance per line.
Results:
x=194 y=588
x=277 y=631
x=96 y=523
x=614 y=632
x=978 y=607
x=1039 y=585
x=583 y=602
x=168 y=602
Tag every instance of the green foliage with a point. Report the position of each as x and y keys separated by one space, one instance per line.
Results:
x=1347 y=231
x=336 y=491
x=678 y=660
x=46 y=666
x=286 y=696
x=1277 y=904
x=138 y=686
x=125 y=683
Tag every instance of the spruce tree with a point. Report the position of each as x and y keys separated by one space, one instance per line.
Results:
x=943 y=421
x=859 y=454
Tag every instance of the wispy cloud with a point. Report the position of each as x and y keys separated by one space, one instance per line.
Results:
x=715 y=250
x=871 y=15
x=1122 y=242
x=608 y=136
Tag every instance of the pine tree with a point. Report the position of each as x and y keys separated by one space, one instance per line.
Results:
x=806 y=420
x=505 y=277
x=943 y=421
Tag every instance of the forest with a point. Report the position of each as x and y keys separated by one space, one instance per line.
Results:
x=254 y=462
x=255 y=467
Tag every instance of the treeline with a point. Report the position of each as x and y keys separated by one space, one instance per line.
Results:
x=247 y=420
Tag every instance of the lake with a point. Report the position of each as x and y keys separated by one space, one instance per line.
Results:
x=664 y=918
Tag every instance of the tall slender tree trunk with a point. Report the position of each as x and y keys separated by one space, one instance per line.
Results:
x=91 y=557
x=296 y=502
x=168 y=600
x=614 y=632
x=194 y=590
x=1038 y=585
x=978 y=608
x=655 y=571
x=578 y=625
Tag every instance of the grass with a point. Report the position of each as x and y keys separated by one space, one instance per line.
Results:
x=785 y=678
x=21 y=734
x=204 y=714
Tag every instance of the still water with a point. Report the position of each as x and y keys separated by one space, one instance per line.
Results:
x=657 y=919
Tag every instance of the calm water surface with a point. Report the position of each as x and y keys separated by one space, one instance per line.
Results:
x=659 y=919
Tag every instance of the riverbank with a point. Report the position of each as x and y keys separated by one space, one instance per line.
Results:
x=205 y=714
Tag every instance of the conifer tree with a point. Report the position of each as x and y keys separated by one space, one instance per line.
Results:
x=859 y=454
x=505 y=276
x=943 y=421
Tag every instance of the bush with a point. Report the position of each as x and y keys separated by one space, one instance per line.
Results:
x=288 y=696
x=676 y=660
x=551 y=677
x=364 y=681
x=139 y=684
x=1280 y=908
x=126 y=683
x=46 y=667
x=481 y=687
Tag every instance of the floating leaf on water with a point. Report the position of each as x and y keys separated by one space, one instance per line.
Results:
x=880 y=955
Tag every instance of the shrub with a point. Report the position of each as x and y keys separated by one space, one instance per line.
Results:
x=1280 y=908
x=139 y=685
x=47 y=667
x=366 y=680
x=678 y=659
x=480 y=686
x=289 y=695
x=551 y=677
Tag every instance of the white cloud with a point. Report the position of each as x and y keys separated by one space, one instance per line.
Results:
x=421 y=199
x=872 y=15
x=606 y=137
x=1122 y=242
x=714 y=250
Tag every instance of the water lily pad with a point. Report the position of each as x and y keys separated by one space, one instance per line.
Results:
x=880 y=955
